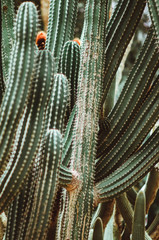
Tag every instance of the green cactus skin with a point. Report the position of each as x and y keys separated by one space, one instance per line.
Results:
x=58 y=102
x=125 y=210
x=46 y=188
x=143 y=122
x=151 y=187
x=132 y=171
x=30 y=141
x=138 y=227
x=86 y=122
x=16 y=211
x=131 y=195
x=20 y=77
x=127 y=22
x=133 y=94
x=65 y=176
x=154 y=12
x=8 y=15
x=2 y=84
x=68 y=138
x=128 y=214
x=62 y=18
x=70 y=60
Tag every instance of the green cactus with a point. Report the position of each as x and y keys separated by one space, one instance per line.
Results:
x=138 y=228
x=70 y=61
x=64 y=158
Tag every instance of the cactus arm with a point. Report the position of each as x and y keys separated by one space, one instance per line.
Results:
x=2 y=84
x=8 y=15
x=20 y=73
x=109 y=9
x=70 y=61
x=133 y=93
x=61 y=25
x=142 y=124
x=115 y=18
x=127 y=213
x=153 y=225
x=58 y=102
x=47 y=185
x=131 y=195
x=30 y=141
x=138 y=225
x=65 y=176
x=151 y=187
x=154 y=13
x=68 y=137
x=120 y=37
x=136 y=167
x=126 y=210
x=16 y=211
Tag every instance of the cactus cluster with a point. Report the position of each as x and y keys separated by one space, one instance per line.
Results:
x=65 y=161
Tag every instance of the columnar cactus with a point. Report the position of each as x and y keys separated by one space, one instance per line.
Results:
x=63 y=158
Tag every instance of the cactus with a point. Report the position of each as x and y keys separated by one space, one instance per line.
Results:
x=64 y=159
x=138 y=228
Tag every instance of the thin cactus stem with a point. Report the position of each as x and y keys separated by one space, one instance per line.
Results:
x=68 y=137
x=151 y=187
x=153 y=225
x=8 y=15
x=138 y=225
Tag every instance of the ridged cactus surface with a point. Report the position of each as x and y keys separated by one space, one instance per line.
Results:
x=68 y=166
